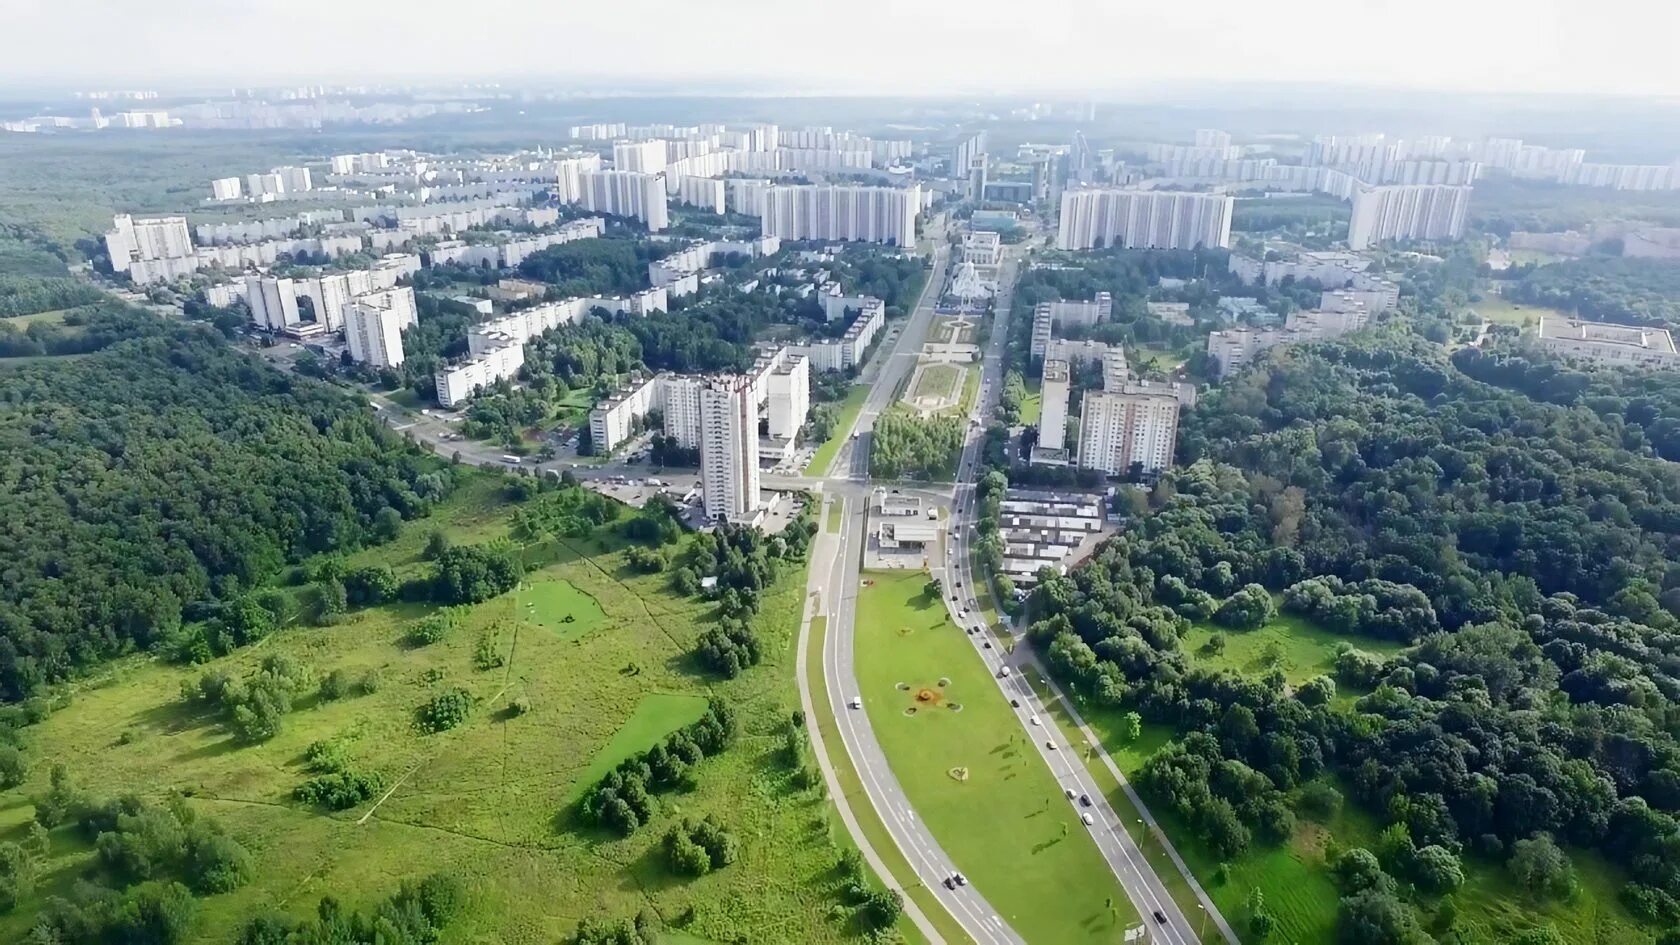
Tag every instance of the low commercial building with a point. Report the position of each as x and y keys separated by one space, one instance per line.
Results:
x=1606 y=343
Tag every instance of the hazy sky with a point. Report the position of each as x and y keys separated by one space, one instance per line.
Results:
x=871 y=46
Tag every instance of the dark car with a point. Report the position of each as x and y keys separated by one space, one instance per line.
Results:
x=950 y=883
x=1085 y=800
x=1016 y=703
x=1160 y=917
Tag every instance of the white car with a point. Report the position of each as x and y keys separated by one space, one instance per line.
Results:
x=1089 y=820
x=1033 y=719
x=857 y=702
x=1050 y=745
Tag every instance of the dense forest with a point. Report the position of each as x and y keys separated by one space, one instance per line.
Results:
x=1524 y=550
x=27 y=295
x=1606 y=288
x=166 y=470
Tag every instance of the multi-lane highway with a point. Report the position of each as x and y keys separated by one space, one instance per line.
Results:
x=1149 y=895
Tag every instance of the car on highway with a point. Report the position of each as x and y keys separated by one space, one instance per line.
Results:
x=1032 y=719
x=1088 y=819
x=950 y=882
x=857 y=702
x=1050 y=745
x=987 y=644
x=1002 y=673
x=1085 y=800
x=1015 y=703
x=960 y=878
x=1160 y=917
x=1069 y=792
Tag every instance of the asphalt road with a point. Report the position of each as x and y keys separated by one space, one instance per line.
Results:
x=1145 y=889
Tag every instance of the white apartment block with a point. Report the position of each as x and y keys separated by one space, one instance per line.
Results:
x=273 y=302
x=1212 y=138
x=146 y=238
x=1624 y=176
x=1133 y=427
x=1068 y=313
x=643 y=157
x=328 y=295
x=562 y=176
x=701 y=192
x=1234 y=349
x=1052 y=422
x=1144 y=219
x=1607 y=343
x=789 y=396
x=746 y=195
x=398 y=301
x=847 y=351
x=729 y=448
x=842 y=212
x=613 y=420
x=373 y=333
x=360 y=163
x=625 y=194
x=293 y=179
x=458 y=383
x=226 y=188
x=598 y=132
x=1407 y=211
x=682 y=410
x=1177 y=153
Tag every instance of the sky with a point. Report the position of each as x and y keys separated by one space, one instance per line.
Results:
x=908 y=47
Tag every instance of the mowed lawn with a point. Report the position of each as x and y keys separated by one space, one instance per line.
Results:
x=971 y=774
x=656 y=716
x=937 y=381
x=492 y=800
x=558 y=607
x=847 y=415
x=1501 y=311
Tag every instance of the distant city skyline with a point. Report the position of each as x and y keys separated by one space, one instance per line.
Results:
x=1066 y=47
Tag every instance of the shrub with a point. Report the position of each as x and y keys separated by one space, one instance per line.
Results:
x=444 y=711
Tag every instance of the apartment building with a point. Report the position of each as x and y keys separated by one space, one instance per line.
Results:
x=729 y=478
x=1144 y=219
x=373 y=332
x=1407 y=212
x=1134 y=427
x=842 y=212
x=630 y=194
x=789 y=396
x=1052 y=421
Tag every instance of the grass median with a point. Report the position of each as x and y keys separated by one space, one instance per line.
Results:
x=969 y=771
x=849 y=410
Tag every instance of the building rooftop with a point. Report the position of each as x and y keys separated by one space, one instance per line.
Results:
x=1604 y=333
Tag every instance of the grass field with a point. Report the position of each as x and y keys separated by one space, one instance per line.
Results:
x=970 y=391
x=835 y=518
x=490 y=800
x=972 y=776
x=1304 y=650
x=1033 y=406
x=656 y=716
x=558 y=607
x=1500 y=311
x=937 y=382
x=849 y=410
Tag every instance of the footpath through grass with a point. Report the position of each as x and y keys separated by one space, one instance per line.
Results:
x=971 y=775
x=848 y=414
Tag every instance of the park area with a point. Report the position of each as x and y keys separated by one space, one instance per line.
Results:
x=1292 y=877
x=969 y=771
x=585 y=665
